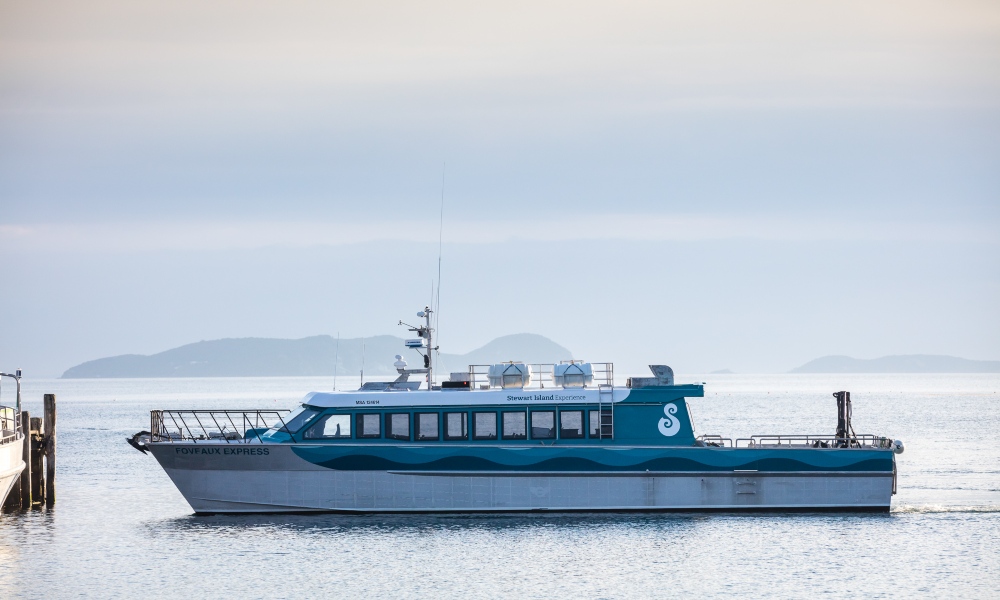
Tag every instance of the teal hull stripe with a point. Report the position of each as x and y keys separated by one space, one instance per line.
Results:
x=595 y=460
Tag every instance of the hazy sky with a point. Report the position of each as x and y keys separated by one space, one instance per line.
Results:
x=743 y=185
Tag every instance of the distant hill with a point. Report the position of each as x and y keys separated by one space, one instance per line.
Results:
x=907 y=363
x=249 y=357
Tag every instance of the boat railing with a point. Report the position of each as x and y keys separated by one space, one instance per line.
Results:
x=716 y=441
x=543 y=375
x=229 y=426
x=799 y=441
x=815 y=441
x=10 y=424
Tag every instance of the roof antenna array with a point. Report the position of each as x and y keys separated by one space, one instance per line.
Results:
x=362 y=362
x=437 y=301
x=336 y=363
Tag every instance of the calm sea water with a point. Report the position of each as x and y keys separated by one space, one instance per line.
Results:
x=120 y=528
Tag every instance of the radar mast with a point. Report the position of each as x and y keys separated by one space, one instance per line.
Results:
x=424 y=345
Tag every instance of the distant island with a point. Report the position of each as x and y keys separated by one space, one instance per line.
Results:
x=722 y=372
x=311 y=356
x=906 y=363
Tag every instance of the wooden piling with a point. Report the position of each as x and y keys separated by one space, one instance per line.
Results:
x=24 y=483
x=37 y=434
x=50 y=450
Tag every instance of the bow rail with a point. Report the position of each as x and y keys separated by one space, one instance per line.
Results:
x=229 y=426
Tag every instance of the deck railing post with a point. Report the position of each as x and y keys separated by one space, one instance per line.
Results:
x=235 y=428
x=180 y=430
x=203 y=430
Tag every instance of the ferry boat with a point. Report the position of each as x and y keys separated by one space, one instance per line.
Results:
x=11 y=441
x=508 y=437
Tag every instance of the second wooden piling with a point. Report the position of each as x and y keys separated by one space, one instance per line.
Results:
x=24 y=483
x=50 y=450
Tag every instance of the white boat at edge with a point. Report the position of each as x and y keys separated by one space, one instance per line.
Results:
x=11 y=446
x=11 y=441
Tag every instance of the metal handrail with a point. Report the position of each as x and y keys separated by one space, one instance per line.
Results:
x=19 y=424
x=822 y=440
x=817 y=441
x=10 y=424
x=715 y=440
x=543 y=374
x=211 y=425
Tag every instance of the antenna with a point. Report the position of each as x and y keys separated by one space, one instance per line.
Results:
x=336 y=363
x=362 y=362
x=437 y=301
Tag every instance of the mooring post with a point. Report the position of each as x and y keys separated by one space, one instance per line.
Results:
x=37 y=450
x=25 y=481
x=50 y=450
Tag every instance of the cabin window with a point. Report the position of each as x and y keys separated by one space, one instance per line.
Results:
x=299 y=418
x=571 y=424
x=543 y=425
x=369 y=425
x=398 y=426
x=595 y=423
x=330 y=427
x=514 y=426
x=427 y=426
x=484 y=426
x=456 y=426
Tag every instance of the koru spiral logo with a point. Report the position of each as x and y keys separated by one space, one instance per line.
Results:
x=669 y=425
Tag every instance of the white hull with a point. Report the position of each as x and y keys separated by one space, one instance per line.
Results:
x=236 y=491
x=11 y=464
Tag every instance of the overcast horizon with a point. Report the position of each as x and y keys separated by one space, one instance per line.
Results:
x=718 y=186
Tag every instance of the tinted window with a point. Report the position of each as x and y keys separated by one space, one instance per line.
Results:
x=370 y=425
x=485 y=426
x=330 y=426
x=398 y=426
x=427 y=426
x=456 y=426
x=543 y=425
x=514 y=426
x=595 y=423
x=571 y=424
x=299 y=418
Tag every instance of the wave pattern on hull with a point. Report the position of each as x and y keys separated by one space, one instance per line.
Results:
x=633 y=460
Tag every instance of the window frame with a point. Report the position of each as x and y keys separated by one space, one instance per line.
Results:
x=513 y=437
x=531 y=426
x=283 y=425
x=389 y=435
x=590 y=422
x=583 y=424
x=326 y=417
x=465 y=427
x=416 y=426
x=475 y=426
x=359 y=419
